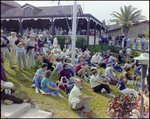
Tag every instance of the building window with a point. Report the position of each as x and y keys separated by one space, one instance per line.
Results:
x=28 y=11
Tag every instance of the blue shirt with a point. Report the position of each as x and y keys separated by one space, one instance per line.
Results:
x=51 y=41
x=45 y=81
x=122 y=85
x=3 y=38
x=108 y=74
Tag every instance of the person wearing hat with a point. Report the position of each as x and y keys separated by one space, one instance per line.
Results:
x=55 y=43
x=31 y=50
x=20 y=52
x=4 y=49
x=97 y=84
x=45 y=60
x=77 y=101
x=51 y=39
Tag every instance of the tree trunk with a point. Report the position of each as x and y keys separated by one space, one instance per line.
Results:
x=125 y=31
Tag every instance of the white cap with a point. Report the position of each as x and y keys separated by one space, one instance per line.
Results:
x=77 y=80
x=2 y=30
x=40 y=36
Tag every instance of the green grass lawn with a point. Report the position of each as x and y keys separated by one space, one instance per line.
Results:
x=58 y=106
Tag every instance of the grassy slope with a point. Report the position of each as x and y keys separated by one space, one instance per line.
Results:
x=58 y=106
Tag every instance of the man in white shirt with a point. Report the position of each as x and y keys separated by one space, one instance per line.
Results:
x=94 y=58
x=12 y=40
x=45 y=49
x=111 y=59
x=78 y=101
x=97 y=85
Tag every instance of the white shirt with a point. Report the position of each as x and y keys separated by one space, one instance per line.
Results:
x=93 y=82
x=107 y=70
x=87 y=52
x=94 y=59
x=73 y=96
x=55 y=42
x=120 y=52
x=128 y=51
x=111 y=58
x=12 y=41
x=41 y=72
x=45 y=49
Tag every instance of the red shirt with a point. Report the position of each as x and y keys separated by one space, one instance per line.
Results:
x=78 y=66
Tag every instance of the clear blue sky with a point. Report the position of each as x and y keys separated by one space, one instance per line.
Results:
x=100 y=9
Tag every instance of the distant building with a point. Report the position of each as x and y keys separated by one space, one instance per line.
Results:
x=137 y=29
x=17 y=18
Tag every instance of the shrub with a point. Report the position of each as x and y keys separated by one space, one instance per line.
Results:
x=122 y=108
x=81 y=43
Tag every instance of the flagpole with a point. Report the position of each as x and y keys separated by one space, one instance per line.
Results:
x=74 y=32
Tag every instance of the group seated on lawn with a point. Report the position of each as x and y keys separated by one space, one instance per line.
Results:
x=70 y=76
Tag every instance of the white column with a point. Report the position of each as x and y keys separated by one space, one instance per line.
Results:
x=74 y=32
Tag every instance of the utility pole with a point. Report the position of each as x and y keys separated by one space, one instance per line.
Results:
x=74 y=32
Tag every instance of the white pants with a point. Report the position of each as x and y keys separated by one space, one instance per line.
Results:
x=128 y=91
x=110 y=42
x=13 y=52
x=30 y=60
x=7 y=54
x=130 y=82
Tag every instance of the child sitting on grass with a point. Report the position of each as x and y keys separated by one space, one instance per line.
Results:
x=65 y=86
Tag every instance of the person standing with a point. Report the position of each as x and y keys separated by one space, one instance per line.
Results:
x=20 y=52
x=12 y=40
x=113 y=40
x=145 y=44
x=40 y=43
x=55 y=43
x=128 y=42
x=117 y=40
x=78 y=101
x=128 y=52
x=31 y=50
x=142 y=43
x=138 y=41
x=4 y=49
x=121 y=38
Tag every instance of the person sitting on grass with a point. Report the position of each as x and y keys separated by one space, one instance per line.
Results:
x=103 y=78
x=81 y=69
x=65 y=86
x=79 y=102
x=66 y=72
x=7 y=88
x=59 y=66
x=50 y=87
x=97 y=85
x=132 y=72
x=126 y=91
x=38 y=63
x=94 y=58
x=116 y=66
x=111 y=58
x=101 y=62
x=38 y=77
x=112 y=77
x=45 y=49
x=45 y=60
x=106 y=60
x=126 y=65
x=128 y=78
x=138 y=84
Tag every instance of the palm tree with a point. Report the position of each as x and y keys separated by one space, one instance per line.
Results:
x=126 y=18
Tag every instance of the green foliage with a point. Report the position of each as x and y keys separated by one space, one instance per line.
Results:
x=61 y=41
x=146 y=34
x=81 y=43
x=135 y=54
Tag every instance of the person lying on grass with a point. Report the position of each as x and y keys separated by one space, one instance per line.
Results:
x=65 y=86
x=97 y=85
x=79 y=102
x=7 y=88
x=50 y=87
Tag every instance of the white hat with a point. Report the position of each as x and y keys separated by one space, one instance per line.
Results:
x=40 y=36
x=2 y=30
x=77 y=80
x=13 y=32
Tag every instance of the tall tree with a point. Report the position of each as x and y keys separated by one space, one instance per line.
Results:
x=127 y=17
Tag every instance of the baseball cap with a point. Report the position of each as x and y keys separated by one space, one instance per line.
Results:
x=78 y=80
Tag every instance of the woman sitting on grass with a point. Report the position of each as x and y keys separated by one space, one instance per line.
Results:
x=38 y=63
x=45 y=60
x=66 y=72
x=126 y=65
x=50 y=87
x=65 y=86
x=112 y=77
x=128 y=79
x=126 y=91
x=116 y=66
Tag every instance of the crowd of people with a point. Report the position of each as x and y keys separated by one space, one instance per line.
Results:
x=46 y=57
x=137 y=43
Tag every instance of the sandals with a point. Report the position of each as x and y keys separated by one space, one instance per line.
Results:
x=8 y=102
